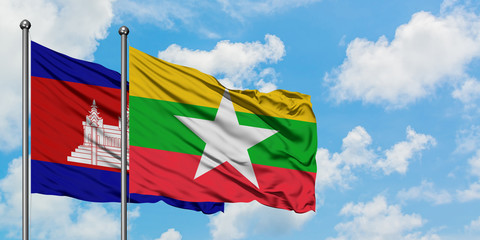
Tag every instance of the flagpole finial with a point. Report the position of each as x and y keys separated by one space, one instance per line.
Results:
x=123 y=30
x=26 y=24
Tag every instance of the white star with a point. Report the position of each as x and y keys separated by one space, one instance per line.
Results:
x=226 y=140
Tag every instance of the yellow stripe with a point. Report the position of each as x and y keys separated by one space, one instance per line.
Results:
x=154 y=78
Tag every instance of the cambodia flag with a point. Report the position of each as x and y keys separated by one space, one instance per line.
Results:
x=76 y=129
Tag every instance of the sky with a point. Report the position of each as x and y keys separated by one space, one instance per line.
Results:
x=395 y=87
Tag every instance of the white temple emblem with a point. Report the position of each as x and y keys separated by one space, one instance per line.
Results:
x=101 y=143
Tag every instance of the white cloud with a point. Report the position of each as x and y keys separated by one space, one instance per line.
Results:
x=163 y=13
x=378 y=220
x=341 y=43
x=355 y=150
x=420 y=236
x=426 y=52
x=473 y=191
x=190 y=14
x=53 y=217
x=133 y=213
x=425 y=192
x=268 y=79
x=71 y=27
x=170 y=234
x=468 y=140
x=11 y=198
x=447 y=5
x=10 y=115
x=331 y=171
x=266 y=87
x=470 y=194
x=474 y=163
x=237 y=63
x=397 y=157
x=337 y=168
x=244 y=8
x=468 y=93
x=241 y=219
x=474 y=226
x=64 y=219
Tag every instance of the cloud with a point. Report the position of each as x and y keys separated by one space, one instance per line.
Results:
x=241 y=219
x=331 y=171
x=397 y=157
x=237 y=64
x=170 y=234
x=474 y=226
x=61 y=218
x=425 y=53
x=474 y=163
x=337 y=168
x=172 y=15
x=133 y=213
x=473 y=191
x=163 y=13
x=468 y=140
x=468 y=93
x=378 y=220
x=10 y=116
x=470 y=194
x=341 y=43
x=198 y=16
x=52 y=217
x=11 y=198
x=245 y=8
x=425 y=192
x=355 y=148
x=71 y=27
x=447 y=5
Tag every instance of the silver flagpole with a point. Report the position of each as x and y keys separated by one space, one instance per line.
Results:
x=25 y=26
x=123 y=31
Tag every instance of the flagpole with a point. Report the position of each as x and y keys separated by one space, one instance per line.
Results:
x=25 y=26
x=123 y=31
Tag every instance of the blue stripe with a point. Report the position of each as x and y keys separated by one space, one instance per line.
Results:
x=47 y=63
x=96 y=185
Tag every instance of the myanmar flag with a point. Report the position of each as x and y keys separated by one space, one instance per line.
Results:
x=194 y=140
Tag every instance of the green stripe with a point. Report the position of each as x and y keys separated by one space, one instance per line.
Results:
x=153 y=125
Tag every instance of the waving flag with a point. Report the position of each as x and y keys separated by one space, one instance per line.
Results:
x=192 y=139
x=76 y=131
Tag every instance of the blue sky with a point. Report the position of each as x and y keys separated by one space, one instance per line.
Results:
x=395 y=89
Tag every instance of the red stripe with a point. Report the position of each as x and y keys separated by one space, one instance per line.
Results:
x=170 y=174
x=58 y=110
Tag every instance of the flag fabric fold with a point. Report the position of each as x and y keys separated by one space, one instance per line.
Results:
x=76 y=129
x=194 y=140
